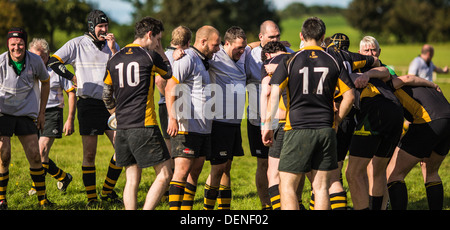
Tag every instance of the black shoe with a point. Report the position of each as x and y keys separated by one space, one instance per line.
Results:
x=111 y=197
x=3 y=205
x=62 y=185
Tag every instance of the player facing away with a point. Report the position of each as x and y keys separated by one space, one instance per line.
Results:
x=88 y=54
x=311 y=77
x=129 y=89
x=22 y=109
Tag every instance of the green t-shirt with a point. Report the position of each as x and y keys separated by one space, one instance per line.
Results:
x=18 y=66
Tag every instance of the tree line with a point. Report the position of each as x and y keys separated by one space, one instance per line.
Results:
x=397 y=21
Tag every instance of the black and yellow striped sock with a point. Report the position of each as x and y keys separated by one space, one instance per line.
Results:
x=112 y=176
x=224 y=198
x=435 y=195
x=188 y=197
x=274 y=194
x=211 y=193
x=38 y=178
x=311 y=201
x=4 y=179
x=398 y=195
x=89 y=182
x=53 y=170
x=176 y=193
x=338 y=201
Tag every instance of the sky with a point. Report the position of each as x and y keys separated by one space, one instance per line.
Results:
x=120 y=10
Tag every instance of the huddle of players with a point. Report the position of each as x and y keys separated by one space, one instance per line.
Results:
x=308 y=78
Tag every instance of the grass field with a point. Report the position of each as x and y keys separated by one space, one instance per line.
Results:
x=67 y=152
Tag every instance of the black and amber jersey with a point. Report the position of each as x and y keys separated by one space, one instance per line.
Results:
x=351 y=61
x=277 y=60
x=311 y=77
x=131 y=72
x=423 y=104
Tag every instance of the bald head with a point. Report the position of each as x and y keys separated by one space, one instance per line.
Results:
x=269 y=32
x=427 y=52
x=207 y=41
x=205 y=32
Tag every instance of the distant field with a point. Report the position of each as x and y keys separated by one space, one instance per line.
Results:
x=398 y=56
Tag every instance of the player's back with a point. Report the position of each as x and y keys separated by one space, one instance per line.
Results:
x=131 y=71
x=312 y=78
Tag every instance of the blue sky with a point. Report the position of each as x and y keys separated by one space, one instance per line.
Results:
x=120 y=10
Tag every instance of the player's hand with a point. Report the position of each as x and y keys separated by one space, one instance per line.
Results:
x=178 y=54
x=40 y=122
x=362 y=81
x=267 y=137
x=68 y=128
x=172 y=127
x=270 y=68
x=111 y=41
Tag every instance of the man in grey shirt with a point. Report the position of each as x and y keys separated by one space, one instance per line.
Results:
x=423 y=67
x=22 y=109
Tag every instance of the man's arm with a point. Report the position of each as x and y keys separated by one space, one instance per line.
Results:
x=172 y=127
x=411 y=80
x=45 y=90
x=108 y=98
x=69 y=127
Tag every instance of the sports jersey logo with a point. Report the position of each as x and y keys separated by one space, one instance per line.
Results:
x=313 y=55
x=188 y=151
x=130 y=51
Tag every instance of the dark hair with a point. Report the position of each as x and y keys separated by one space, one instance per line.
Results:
x=313 y=28
x=272 y=47
x=234 y=33
x=148 y=24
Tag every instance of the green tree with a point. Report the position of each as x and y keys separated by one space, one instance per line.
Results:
x=41 y=18
x=402 y=20
x=9 y=17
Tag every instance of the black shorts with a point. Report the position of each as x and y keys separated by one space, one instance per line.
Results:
x=422 y=139
x=226 y=142
x=21 y=126
x=163 y=120
x=53 y=123
x=142 y=146
x=92 y=116
x=191 y=145
x=257 y=148
x=278 y=136
x=378 y=130
x=308 y=149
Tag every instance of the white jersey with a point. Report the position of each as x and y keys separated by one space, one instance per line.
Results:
x=89 y=64
x=20 y=94
x=194 y=82
x=231 y=77
x=57 y=85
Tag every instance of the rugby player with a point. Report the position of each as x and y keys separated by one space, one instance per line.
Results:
x=22 y=110
x=274 y=53
x=311 y=77
x=88 y=54
x=227 y=70
x=54 y=116
x=427 y=140
x=128 y=92
x=191 y=136
x=269 y=31
x=378 y=130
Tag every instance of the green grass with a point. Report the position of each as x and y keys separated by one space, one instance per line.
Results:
x=67 y=152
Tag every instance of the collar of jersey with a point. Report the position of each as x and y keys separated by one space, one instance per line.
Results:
x=133 y=45
x=311 y=48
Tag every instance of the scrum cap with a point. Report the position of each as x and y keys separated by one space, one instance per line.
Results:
x=342 y=41
x=94 y=18
x=17 y=33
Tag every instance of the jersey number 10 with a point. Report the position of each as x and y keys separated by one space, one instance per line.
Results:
x=132 y=74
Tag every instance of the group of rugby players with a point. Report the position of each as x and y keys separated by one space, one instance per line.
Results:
x=306 y=111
